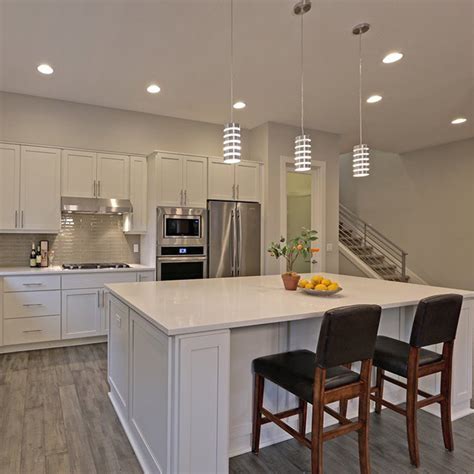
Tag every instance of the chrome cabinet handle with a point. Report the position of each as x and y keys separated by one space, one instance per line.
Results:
x=32 y=284
x=233 y=191
x=16 y=219
x=185 y=197
x=33 y=330
x=33 y=304
x=98 y=188
x=95 y=188
x=98 y=299
x=21 y=219
x=238 y=191
x=103 y=298
x=181 y=201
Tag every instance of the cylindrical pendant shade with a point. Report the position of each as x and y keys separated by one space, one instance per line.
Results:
x=232 y=143
x=360 y=161
x=302 y=153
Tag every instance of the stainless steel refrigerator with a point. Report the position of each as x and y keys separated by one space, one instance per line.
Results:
x=234 y=239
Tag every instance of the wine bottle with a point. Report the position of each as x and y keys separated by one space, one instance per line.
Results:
x=33 y=256
x=38 y=257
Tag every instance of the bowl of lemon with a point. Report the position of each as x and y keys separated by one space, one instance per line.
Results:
x=319 y=286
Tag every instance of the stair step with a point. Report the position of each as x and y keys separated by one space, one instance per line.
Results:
x=397 y=277
x=384 y=267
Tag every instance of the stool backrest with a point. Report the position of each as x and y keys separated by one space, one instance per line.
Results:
x=348 y=335
x=436 y=320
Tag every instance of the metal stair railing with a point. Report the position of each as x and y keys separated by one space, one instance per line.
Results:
x=371 y=245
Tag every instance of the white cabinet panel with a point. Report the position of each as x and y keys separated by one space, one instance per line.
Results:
x=146 y=276
x=40 y=189
x=81 y=313
x=113 y=174
x=9 y=186
x=247 y=181
x=31 y=303
x=221 y=180
x=118 y=350
x=78 y=173
x=170 y=181
x=95 y=280
x=138 y=195
x=195 y=181
x=27 y=330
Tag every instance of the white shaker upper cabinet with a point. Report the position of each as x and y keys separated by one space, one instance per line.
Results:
x=9 y=186
x=78 y=173
x=40 y=189
x=170 y=180
x=247 y=181
x=113 y=176
x=221 y=180
x=195 y=181
x=138 y=195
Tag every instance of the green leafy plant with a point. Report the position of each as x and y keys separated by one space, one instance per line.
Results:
x=290 y=250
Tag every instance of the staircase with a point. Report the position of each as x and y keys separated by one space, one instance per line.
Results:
x=379 y=253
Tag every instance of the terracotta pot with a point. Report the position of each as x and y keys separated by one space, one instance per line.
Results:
x=290 y=281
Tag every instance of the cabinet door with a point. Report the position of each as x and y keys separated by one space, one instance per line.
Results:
x=138 y=194
x=221 y=180
x=247 y=181
x=118 y=352
x=9 y=186
x=113 y=176
x=81 y=313
x=170 y=181
x=78 y=173
x=195 y=181
x=40 y=189
x=146 y=276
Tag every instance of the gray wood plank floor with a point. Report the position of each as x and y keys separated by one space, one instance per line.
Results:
x=55 y=418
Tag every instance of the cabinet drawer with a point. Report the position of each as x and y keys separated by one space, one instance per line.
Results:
x=31 y=303
x=32 y=283
x=96 y=280
x=24 y=330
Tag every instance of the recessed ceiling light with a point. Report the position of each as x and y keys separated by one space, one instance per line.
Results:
x=374 y=98
x=153 y=88
x=393 y=57
x=240 y=105
x=459 y=120
x=45 y=69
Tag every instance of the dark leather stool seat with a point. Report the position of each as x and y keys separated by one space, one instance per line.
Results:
x=392 y=355
x=294 y=371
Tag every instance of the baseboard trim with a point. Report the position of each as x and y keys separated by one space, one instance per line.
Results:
x=52 y=344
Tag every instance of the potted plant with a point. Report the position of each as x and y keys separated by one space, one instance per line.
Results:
x=290 y=250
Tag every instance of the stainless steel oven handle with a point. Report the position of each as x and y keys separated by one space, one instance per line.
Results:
x=181 y=259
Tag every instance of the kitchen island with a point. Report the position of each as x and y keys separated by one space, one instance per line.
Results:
x=180 y=356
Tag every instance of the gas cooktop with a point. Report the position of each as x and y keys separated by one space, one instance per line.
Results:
x=90 y=266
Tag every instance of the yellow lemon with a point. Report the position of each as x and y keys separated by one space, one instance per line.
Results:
x=333 y=287
x=317 y=279
x=321 y=287
x=310 y=286
x=302 y=283
x=326 y=282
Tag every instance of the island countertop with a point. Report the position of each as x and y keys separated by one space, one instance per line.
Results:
x=190 y=306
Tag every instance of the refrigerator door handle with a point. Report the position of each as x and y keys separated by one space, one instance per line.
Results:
x=238 y=246
x=232 y=242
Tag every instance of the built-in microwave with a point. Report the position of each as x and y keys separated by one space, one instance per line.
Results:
x=181 y=226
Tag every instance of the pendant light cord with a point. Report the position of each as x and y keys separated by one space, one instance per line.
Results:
x=232 y=61
x=360 y=88
x=302 y=74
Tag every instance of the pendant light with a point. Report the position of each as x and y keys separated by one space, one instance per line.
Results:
x=302 y=141
x=232 y=141
x=360 y=154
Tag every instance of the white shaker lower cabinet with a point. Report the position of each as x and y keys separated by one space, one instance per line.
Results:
x=81 y=313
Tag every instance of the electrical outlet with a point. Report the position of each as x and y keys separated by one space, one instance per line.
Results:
x=329 y=248
x=136 y=248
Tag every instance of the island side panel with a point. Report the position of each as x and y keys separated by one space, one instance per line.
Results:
x=201 y=402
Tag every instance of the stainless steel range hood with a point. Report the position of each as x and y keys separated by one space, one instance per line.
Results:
x=73 y=205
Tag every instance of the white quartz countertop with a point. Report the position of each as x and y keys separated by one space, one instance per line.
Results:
x=188 y=306
x=54 y=270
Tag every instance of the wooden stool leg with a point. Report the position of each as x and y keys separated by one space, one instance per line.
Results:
x=446 y=375
x=364 y=408
x=317 y=422
x=303 y=406
x=257 y=412
x=379 y=392
x=343 y=403
x=412 y=392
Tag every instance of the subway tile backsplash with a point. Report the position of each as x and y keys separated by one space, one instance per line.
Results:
x=83 y=238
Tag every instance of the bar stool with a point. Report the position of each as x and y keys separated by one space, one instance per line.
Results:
x=347 y=335
x=436 y=321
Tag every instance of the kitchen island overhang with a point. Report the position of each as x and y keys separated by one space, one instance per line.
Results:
x=180 y=358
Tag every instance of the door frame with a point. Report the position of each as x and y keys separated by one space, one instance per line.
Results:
x=318 y=207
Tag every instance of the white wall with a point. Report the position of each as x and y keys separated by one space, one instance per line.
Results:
x=424 y=202
x=44 y=121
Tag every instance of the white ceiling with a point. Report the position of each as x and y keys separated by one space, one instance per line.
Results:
x=106 y=52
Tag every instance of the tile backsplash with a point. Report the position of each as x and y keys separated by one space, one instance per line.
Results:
x=83 y=238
